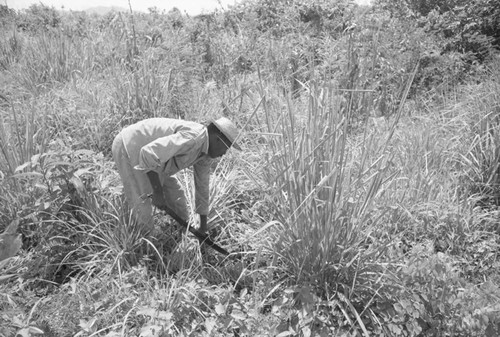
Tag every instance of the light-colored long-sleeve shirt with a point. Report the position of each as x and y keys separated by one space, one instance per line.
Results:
x=166 y=146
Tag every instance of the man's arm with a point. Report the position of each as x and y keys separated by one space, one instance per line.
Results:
x=202 y=181
x=154 y=179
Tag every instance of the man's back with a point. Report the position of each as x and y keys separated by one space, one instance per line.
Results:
x=137 y=135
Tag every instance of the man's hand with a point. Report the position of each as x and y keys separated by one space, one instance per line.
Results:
x=203 y=223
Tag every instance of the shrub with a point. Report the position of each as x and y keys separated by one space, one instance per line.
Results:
x=7 y=16
x=38 y=18
x=467 y=26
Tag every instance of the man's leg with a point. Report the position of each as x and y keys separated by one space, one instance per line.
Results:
x=136 y=185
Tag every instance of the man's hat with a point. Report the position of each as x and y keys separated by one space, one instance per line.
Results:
x=228 y=129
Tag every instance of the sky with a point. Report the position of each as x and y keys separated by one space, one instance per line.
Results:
x=192 y=7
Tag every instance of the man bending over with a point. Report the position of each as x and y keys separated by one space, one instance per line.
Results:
x=149 y=153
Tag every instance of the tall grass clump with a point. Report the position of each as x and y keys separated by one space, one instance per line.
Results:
x=483 y=161
x=23 y=133
x=48 y=59
x=481 y=158
x=329 y=187
x=10 y=49
x=143 y=92
x=19 y=141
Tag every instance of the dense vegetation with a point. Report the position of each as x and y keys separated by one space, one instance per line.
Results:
x=365 y=202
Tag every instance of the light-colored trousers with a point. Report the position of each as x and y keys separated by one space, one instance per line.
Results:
x=137 y=187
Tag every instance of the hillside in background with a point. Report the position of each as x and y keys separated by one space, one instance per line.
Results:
x=102 y=10
x=365 y=201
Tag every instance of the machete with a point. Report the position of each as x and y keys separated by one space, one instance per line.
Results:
x=204 y=238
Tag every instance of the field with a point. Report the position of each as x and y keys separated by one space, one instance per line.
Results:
x=365 y=201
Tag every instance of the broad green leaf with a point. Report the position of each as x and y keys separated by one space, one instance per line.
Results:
x=286 y=333
x=306 y=331
x=238 y=315
x=24 y=332
x=12 y=227
x=6 y=277
x=164 y=315
x=151 y=331
x=82 y=171
x=220 y=309
x=35 y=331
x=28 y=175
x=88 y=326
x=35 y=159
x=22 y=167
x=210 y=324
x=146 y=311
